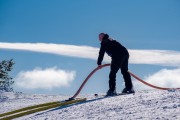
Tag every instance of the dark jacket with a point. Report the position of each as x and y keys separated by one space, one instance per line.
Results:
x=113 y=48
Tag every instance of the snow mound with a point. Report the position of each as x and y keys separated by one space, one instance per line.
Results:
x=151 y=104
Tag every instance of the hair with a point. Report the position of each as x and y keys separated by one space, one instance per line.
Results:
x=106 y=36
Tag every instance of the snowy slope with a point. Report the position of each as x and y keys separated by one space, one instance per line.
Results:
x=145 y=105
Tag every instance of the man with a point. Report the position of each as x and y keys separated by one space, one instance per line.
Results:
x=120 y=56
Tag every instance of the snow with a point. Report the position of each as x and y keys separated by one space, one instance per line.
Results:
x=144 y=105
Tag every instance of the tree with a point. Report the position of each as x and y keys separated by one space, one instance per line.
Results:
x=5 y=80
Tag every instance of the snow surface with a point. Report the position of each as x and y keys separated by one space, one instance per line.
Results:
x=144 y=105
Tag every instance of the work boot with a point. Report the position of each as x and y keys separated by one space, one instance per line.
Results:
x=128 y=91
x=111 y=93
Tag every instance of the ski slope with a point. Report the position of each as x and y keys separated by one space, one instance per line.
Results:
x=144 y=105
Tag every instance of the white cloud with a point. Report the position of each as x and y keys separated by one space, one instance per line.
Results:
x=59 y=49
x=163 y=78
x=157 y=57
x=44 y=78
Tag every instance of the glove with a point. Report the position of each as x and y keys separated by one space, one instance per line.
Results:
x=99 y=66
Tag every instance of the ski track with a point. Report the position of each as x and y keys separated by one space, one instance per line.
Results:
x=144 y=105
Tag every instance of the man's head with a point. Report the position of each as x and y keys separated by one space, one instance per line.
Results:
x=103 y=36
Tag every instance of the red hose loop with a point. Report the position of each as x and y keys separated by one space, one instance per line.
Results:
x=105 y=65
x=82 y=85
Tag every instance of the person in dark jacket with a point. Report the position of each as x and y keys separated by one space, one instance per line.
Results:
x=120 y=56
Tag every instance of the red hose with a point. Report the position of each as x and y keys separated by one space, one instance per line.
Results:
x=99 y=67
x=150 y=85
x=82 y=85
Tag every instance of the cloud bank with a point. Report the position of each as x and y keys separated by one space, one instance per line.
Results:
x=44 y=78
x=53 y=77
x=156 y=57
x=163 y=78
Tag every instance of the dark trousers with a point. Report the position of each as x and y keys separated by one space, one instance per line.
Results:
x=117 y=64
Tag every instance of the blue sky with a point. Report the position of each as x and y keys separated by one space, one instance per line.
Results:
x=68 y=31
